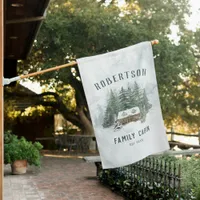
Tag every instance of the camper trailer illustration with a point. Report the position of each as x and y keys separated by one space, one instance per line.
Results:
x=126 y=116
x=129 y=115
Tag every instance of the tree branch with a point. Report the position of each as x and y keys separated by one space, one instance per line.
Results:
x=37 y=99
x=60 y=106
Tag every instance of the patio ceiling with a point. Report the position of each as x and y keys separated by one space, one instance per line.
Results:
x=22 y=22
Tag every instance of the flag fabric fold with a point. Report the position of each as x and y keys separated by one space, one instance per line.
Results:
x=122 y=95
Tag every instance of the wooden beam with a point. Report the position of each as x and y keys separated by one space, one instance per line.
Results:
x=25 y=20
x=1 y=96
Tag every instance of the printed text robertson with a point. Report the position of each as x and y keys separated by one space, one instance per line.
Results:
x=119 y=77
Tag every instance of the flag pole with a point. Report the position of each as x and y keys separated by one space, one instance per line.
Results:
x=8 y=81
x=48 y=70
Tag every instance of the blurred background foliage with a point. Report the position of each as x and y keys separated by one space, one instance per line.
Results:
x=75 y=29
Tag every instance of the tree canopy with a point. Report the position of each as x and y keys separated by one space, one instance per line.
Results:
x=75 y=29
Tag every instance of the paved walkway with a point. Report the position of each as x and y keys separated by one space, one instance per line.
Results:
x=57 y=179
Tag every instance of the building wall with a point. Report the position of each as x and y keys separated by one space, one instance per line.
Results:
x=32 y=128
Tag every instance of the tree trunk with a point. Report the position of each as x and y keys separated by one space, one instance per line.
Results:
x=85 y=121
x=81 y=120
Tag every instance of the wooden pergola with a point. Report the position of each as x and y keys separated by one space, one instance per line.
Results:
x=20 y=21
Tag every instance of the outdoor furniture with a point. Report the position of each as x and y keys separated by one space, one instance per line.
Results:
x=96 y=160
x=78 y=143
x=71 y=144
x=82 y=142
x=65 y=141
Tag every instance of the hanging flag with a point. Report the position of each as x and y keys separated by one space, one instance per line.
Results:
x=122 y=95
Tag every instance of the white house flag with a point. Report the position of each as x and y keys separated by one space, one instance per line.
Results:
x=122 y=95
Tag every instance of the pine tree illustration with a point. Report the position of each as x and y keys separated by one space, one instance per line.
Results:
x=114 y=102
x=147 y=105
x=130 y=98
x=108 y=118
x=136 y=94
x=123 y=99
x=140 y=98
x=111 y=110
x=100 y=117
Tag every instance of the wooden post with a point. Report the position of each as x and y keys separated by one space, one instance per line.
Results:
x=1 y=95
x=172 y=134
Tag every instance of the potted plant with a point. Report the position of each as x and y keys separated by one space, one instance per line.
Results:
x=18 y=152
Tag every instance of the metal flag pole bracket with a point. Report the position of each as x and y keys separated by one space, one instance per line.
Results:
x=7 y=81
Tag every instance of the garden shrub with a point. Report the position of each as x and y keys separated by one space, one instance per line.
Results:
x=20 y=149
x=190 y=174
x=137 y=188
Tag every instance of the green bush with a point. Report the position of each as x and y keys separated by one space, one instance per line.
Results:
x=137 y=188
x=134 y=189
x=190 y=174
x=20 y=149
